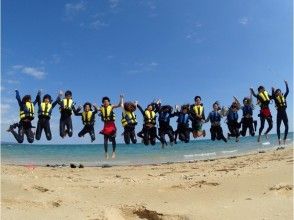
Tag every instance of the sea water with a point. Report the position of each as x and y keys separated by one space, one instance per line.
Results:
x=133 y=154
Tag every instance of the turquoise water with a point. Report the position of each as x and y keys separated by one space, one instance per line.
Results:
x=93 y=154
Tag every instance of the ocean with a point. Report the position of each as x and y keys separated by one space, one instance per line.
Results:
x=133 y=154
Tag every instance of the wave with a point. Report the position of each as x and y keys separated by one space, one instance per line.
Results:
x=229 y=151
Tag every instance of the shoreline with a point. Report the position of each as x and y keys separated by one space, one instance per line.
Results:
x=212 y=158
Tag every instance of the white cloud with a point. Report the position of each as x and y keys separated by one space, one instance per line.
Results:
x=97 y=24
x=113 y=3
x=35 y=72
x=153 y=64
x=72 y=9
x=140 y=68
x=11 y=81
x=243 y=21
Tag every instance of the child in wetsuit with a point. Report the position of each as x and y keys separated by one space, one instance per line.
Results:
x=263 y=98
x=183 y=129
x=67 y=107
x=109 y=129
x=214 y=117
x=129 y=122
x=247 y=121
x=164 y=116
x=281 y=105
x=88 y=119
x=26 y=114
x=45 y=110
x=148 y=132
x=232 y=121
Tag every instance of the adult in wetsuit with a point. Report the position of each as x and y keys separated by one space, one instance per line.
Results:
x=67 y=107
x=263 y=99
x=164 y=116
x=26 y=114
x=148 y=132
x=232 y=121
x=281 y=106
x=183 y=129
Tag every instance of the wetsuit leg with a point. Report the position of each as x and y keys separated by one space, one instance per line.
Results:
x=187 y=135
x=69 y=126
x=19 y=136
x=39 y=129
x=127 y=135
x=243 y=127
x=83 y=132
x=112 y=139
x=161 y=134
x=47 y=129
x=62 y=127
x=29 y=133
x=285 y=121
x=279 y=121
x=170 y=134
x=270 y=124
x=92 y=133
x=212 y=133
x=152 y=135
x=220 y=135
x=231 y=129
x=262 y=120
x=105 y=143
x=133 y=135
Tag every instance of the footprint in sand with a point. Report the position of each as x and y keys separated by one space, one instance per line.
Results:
x=40 y=188
x=282 y=187
x=57 y=203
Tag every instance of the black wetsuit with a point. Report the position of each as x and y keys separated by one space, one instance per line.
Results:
x=88 y=125
x=129 y=130
x=65 y=122
x=148 y=132
x=44 y=121
x=247 y=121
x=264 y=114
x=25 y=125
x=282 y=114
x=164 y=127
x=216 y=130
x=233 y=125
x=183 y=129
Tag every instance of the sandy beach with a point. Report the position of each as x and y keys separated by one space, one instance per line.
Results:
x=256 y=186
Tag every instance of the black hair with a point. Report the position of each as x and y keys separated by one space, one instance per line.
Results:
x=105 y=98
x=47 y=96
x=87 y=103
x=26 y=98
x=197 y=97
x=260 y=88
x=68 y=93
x=277 y=90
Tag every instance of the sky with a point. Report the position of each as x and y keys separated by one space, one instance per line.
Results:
x=169 y=50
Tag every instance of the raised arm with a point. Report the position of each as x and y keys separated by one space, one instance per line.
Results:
x=253 y=93
x=38 y=98
x=96 y=108
x=17 y=96
x=287 y=89
x=141 y=110
x=120 y=102
x=57 y=100
x=237 y=101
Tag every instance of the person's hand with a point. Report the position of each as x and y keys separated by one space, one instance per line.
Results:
x=286 y=82
x=136 y=103
x=177 y=107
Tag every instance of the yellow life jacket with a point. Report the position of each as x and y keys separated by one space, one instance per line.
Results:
x=128 y=118
x=198 y=109
x=45 y=109
x=150 y=117
x=67 y=104
x=29 y=113
x=86 y=117
x=264 y=96
x=107 y=113
x=281 y=100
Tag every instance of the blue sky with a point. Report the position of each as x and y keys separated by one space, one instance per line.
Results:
x=172 y=50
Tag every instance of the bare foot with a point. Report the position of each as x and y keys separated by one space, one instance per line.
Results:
x=266 y=136
x=258 y=139
x=106 y=156
x=113 y=155
x=279 y=141
x=284 y=141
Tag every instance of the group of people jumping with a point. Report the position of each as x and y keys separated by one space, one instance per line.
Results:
x=153 y=113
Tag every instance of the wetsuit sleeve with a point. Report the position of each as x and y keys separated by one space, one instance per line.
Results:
x=55 y=102
x=37 y=98
x=141 y=110
x=203 y=114
x=157 y=108
x=287 y=91
x=253 y=93
x=78 y=113
x=208 y=117
x=95 y=111
x=17 y=96
x=75 y=110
